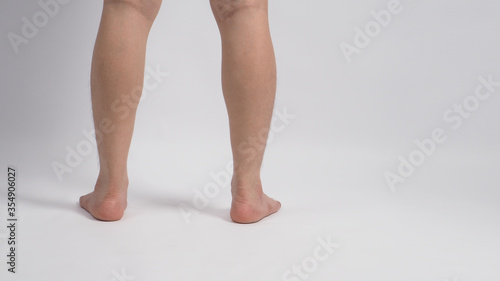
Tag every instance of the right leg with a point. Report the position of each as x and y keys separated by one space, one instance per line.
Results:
x=249 y=88
x=116 y=84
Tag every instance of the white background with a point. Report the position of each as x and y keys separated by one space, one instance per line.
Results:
x=352 y=121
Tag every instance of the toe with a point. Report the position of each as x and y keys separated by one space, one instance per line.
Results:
x=84 y=201
x=278 y=205
x=275 y=206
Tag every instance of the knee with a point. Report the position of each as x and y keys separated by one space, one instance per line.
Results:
x=148 y=8
x=226 y=9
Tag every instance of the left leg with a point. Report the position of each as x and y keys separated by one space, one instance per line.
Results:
x=117 y=74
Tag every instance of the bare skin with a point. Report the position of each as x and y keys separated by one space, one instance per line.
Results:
x=249 y=86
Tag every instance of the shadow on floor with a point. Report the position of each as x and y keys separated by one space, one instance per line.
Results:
x=176 y=203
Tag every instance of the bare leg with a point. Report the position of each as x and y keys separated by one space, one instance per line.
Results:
x=116 y=84
x=249 y=86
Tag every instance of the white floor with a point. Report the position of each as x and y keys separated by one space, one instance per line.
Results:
x=439 y=225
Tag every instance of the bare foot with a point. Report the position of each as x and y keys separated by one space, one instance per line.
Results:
x=252 y=205
x=106 y=203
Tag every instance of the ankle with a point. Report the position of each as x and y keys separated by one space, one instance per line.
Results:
x=246 y=189
x=113 y=182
